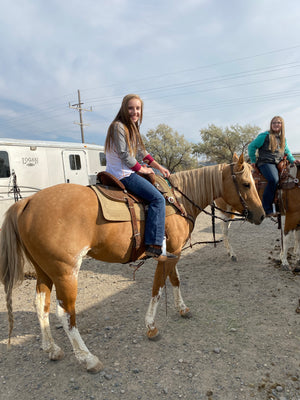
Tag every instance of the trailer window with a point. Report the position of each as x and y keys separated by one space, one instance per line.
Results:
x=102 y=159
x=4 y=165
x=75 y=162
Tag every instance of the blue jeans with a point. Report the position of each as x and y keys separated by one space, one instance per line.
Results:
x=155 y=220
x=270 y=172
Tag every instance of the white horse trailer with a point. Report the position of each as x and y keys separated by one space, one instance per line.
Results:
x=28 y=166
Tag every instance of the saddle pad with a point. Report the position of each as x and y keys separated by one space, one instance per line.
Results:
x=118 y=211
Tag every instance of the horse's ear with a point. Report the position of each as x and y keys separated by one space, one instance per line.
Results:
x=235 y=158
x=240 y=162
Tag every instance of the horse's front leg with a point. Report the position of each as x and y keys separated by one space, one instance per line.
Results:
x=178 y=300
x=225 y=229
x=297 y=246
x=284 y=251
x=157 y=288
x=162 y=271
x=297 y=250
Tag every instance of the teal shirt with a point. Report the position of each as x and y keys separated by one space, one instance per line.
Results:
x=259 y=141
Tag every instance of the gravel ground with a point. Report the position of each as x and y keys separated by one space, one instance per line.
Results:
x=242 y=341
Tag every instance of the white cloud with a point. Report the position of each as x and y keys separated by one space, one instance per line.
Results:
x=178 y=55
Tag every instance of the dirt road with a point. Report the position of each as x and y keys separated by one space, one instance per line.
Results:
x=242 y=341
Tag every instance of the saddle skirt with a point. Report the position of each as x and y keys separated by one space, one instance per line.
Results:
x=113 y=199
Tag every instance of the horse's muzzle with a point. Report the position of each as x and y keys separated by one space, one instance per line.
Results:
x=254 y=219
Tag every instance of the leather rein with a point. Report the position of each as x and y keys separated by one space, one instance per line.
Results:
x=244 y=214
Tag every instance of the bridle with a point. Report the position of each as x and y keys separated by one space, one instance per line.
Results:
x=245 y=212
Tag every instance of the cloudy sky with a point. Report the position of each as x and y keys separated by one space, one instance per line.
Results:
x=194 y=63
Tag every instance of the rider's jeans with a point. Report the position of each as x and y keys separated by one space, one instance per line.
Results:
x=270 y=172
x=155 y=221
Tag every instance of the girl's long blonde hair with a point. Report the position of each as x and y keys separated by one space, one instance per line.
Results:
x=132 y=130
x=273 y=143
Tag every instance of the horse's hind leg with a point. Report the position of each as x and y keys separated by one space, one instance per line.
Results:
x=66 y=291
x=42 y=304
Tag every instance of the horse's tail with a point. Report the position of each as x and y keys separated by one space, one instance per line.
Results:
x=12 y=257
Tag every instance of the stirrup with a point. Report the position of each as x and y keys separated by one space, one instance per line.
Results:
x=272 y=214
x=158 y=254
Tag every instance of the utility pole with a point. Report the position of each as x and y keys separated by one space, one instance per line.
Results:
x=78 y=107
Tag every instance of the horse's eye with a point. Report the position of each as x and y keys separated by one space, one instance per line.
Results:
x=246 y=185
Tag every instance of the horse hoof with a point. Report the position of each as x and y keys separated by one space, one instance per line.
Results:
x=186 y=313
x=286 y=267
x=94 y=366
x=153 y=334
x=233 y=258
x=56 y=354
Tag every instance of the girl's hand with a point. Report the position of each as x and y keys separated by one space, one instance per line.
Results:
x=165 y=172
x=146 y=170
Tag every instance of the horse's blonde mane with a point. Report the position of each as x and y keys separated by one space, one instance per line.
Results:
x=202 y=185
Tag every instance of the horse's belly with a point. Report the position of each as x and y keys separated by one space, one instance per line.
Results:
x=113 y=242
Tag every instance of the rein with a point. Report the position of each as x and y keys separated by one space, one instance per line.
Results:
x=212 y=214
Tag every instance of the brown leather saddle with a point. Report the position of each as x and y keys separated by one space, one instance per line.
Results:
x=287 y=180
x=113 y=189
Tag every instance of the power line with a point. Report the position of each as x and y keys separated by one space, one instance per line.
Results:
x=111 y=100
x=230 y=102
x=183 y=85
x=201 y=67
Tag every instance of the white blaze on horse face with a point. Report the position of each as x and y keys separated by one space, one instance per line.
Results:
x=79 y=259
x=252 y=180
x=151 y=312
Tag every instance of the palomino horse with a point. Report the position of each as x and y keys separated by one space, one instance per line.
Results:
x=56 y=227
x=290 y=207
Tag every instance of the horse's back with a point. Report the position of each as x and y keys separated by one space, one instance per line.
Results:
x=60 y=214
x=61 y=200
